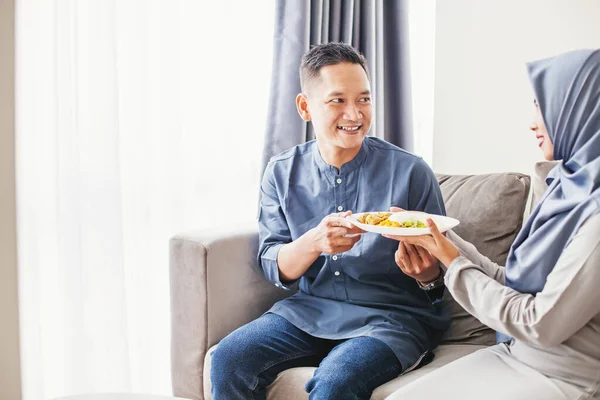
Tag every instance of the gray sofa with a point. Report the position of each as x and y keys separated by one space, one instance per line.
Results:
x=217 y=287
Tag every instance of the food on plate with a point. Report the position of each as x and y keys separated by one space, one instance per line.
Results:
x=382 y=219
x=413 y=223
x=374 y=218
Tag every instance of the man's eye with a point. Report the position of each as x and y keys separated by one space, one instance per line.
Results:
x=337 y=101
x=365 y=99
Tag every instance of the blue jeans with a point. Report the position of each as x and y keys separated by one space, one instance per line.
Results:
x=249 y=359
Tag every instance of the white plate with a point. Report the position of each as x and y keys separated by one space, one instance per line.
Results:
x=443 y=223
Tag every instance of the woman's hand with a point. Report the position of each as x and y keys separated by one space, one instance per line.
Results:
x=435 y=243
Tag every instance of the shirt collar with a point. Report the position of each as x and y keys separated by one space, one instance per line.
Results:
x=347 y=167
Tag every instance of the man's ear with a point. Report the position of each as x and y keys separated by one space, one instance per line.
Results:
x=302 y=106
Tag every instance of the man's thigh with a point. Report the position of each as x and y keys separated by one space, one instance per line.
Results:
x=265 y=347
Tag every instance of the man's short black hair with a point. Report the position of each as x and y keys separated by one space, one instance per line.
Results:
x=322 y=55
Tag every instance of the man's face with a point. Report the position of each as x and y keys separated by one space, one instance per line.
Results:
x=339 y=105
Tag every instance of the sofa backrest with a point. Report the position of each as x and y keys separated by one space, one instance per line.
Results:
x=489 y=207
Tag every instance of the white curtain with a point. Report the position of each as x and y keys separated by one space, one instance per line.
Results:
x=421 y=24
x=136 y=120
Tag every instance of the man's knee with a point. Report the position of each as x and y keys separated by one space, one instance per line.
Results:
x=334 y=384
x=229 y=361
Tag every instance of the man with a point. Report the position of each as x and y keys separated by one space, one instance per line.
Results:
x=356 y=314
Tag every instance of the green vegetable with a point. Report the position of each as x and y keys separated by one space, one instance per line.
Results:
x=413 y=224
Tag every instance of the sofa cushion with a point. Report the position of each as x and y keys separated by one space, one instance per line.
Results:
x=290 y=383
x=490 y=209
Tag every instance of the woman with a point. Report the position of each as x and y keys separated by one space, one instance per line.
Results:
x=545 y=303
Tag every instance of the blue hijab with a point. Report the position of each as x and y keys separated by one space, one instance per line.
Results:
x=567 y=89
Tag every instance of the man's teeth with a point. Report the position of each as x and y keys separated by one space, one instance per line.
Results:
x=348 y=128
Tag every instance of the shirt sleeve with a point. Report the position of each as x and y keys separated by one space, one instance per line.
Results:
x=273 y=230
x=469 y=251
x=570 y=294
x=424 y=191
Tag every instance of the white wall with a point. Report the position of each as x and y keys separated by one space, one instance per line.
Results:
x=483 y=100
x=10 y=381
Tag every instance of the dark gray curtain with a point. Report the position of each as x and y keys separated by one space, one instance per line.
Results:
x=377 y=28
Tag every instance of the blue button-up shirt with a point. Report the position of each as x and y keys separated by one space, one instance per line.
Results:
x=361 y=292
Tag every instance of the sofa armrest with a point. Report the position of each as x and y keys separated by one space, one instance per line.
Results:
x=216 y=287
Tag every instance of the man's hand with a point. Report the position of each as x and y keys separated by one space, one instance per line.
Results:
x=329 y=236
x=417 y=262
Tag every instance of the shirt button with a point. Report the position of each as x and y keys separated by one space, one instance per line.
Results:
x=339 y=180
x=334 y=258
x=337 y=273
x=340 y=208
x=277 y=284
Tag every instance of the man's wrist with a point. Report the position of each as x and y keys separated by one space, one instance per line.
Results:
x=435 y=289
x=439 y=276
x=311 y=242
x=432 y=284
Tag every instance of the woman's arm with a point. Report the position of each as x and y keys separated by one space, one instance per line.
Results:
x=570 y=298
x=469 y=251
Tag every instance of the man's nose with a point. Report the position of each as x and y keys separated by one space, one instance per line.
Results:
x=352 y=113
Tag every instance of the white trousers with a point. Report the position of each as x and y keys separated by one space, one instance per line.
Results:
x=488 y=374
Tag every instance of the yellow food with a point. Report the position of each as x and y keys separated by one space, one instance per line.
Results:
x=381 y=219
x=374 y=218
x=387 y=222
